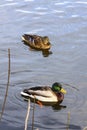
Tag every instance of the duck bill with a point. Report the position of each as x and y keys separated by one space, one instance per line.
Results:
x=63 y=91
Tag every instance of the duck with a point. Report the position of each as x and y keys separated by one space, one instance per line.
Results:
x=36 y=42
x=45 y=94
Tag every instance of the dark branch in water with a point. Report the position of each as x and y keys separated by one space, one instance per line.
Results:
x=8 y=81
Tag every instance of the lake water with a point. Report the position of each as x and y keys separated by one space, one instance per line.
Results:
x=65 y=23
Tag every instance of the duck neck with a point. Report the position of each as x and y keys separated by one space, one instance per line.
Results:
x=60 y=96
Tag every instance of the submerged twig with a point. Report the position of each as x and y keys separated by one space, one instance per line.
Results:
x=33 y=115
x=68 y=121
x=6 y=93
x=27 y=115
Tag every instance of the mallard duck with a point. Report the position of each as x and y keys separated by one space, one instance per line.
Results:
x=45 y=94
x=36 y=42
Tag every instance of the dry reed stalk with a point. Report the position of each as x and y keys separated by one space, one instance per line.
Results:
x=33 y=115
x=27 y=115
x=8 y=81
x=85 y=128
x=68 y=121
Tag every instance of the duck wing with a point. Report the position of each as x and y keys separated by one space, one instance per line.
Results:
x=32 y=39
x=40 y=91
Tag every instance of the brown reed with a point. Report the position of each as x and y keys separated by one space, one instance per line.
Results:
x=27 y=115
x=68 y=121
x=33 y=114
x=8 y=81
x=85 y=128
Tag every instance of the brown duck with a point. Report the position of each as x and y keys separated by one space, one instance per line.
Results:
x=36 y=42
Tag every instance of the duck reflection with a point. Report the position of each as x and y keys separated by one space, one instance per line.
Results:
x=55 y=106
x=58 y=107
x=46 y=53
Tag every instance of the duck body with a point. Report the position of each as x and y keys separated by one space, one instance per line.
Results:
x=36 y=42
x=44 y=94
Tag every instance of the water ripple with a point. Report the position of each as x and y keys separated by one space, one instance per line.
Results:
x=65 y=23
x=73 y=100
x=15 y=104
x=24 y=11
x=81 y=2
x=9 y=4
x=28 y=0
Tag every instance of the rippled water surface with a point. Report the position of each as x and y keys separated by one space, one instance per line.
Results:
x=65 y=23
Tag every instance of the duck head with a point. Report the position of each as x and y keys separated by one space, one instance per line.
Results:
x=57 y=87
x=45 y=39
x=46 y=42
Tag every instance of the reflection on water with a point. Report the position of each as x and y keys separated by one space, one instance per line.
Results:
x=65 y=23
x=58 y=107
x=46 y=53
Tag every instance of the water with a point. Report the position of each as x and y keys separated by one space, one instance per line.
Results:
x=65 y=23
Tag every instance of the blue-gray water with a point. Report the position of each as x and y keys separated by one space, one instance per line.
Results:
x=65 y=23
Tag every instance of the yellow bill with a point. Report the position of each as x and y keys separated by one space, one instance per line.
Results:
x=63 y=91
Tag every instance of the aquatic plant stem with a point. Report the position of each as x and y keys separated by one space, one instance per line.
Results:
x=8 y=81
x=33 y=115
x=85 y=128
x=27 y=115
x=68 y=120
